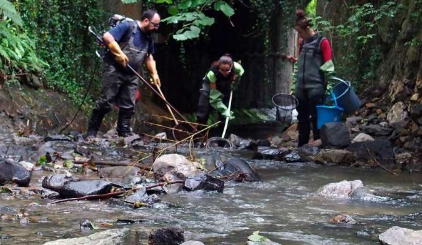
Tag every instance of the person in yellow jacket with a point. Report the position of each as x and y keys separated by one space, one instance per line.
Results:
x=129 y=43
x=223 y=76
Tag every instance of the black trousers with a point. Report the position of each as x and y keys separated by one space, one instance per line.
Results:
x=204 y=108
x=307 y=114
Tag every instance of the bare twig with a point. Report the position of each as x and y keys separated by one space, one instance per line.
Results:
x=106 y=163
x=379 y=164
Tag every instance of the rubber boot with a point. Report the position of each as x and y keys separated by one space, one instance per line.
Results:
x=123 y=123
x=94 y=123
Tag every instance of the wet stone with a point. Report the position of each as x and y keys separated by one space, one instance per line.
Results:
x=56 y=182
x=85 y=188
x=167 y=236
x=86 y=225
x=204 y=182
x=108 y=237
x=192 y=243
x=13 y=173
x=139 y=196
x=56 y=138
x=236 y=169
x=264 y=152
x=292 y=157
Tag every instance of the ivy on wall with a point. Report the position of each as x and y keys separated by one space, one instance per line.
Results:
x=59 y=30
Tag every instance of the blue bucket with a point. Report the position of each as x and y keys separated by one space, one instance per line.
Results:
x=326 y=114
x=346 y=96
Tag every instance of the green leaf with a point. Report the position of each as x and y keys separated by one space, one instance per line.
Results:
x=42 y=161
x=68 y=164
x=227 y=10
x=192 y=33
x=129 y=1
x=173 y=10
x=185 y=4
x=204 y=20
x=255 y=237
x=7 y=10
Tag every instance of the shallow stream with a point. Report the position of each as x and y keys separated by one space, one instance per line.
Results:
x=283 y=207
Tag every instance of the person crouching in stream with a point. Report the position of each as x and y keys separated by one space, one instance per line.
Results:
x=315 y=66
x=223 y=77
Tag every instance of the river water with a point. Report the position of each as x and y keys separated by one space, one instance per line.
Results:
x=283 y=207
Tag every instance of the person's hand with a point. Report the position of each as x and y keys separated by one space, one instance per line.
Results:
x=291 y=59
x=119 y=56
x=156 y=79
x=229 y=114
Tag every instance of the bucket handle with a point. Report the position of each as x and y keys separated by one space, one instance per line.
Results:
x=334 y=98
x=349 y=85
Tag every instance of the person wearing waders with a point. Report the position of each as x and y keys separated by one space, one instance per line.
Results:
x=223 y=76
x=129 y=43
x=315 y=67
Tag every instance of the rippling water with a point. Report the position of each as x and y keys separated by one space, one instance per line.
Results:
x=283 y=207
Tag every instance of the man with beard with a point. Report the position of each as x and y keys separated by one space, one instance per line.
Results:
x=129 y=43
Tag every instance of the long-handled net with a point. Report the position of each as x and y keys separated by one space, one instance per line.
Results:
x=285 y=104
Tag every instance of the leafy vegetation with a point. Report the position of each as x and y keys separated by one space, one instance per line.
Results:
x=189 y=15
x=17 y=49
x=60 y=32
x=358 y=39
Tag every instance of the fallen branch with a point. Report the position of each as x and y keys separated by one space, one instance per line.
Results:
x=117 y=193
x=106 y=163
x=166 y=183
x=98 y=196
x=379 y=164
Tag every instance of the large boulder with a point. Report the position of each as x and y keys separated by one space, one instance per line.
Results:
x=335 y=135
x=175 y=164
x=11 y=172
x=401 y=236
x=368 y=150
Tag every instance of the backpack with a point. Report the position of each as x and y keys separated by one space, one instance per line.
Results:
x=117 y=19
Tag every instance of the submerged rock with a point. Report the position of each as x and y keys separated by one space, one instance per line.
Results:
x=363 y=194
x=167 y=236
x=342 y=189
x=343 y=219
x=204 y=182
x=401 y=236
x=11 y=172
x=350 y=189
x=238 y=169
x=139 y=196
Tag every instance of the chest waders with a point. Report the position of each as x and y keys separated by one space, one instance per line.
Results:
x=223 y=85
x=118 y=87
x=310 y=87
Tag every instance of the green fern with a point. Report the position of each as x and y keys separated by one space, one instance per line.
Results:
x=8 y=11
